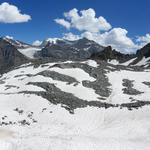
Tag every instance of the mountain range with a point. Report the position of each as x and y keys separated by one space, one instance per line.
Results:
x=14 y=52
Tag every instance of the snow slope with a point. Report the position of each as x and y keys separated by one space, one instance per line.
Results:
x=87 y=129
x=128 y=62
x=31 y=122
x=19 y=83
x=29 y=52
x=116 y=79
x=144 y=61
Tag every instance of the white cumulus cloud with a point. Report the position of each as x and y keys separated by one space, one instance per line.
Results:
x=37 y=43
x=11 y=14
x=144 y=39
x=71 y=37
x=84 y=21
x=63 y=23
x=100 y=31
x=117 y=38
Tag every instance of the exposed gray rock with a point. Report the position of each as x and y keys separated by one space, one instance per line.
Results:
x=10 y=86
x=2 y=82
x=16 y=43
x=145 y=51
x=57 y=76
x=109 y=54
x=135 y=105
x=67 y=100
x=28 y=75
x=147 y=83
x=70 y=102
x=129 y=88
x=100 y=85
x=78 y=50
x=23 y=122
x=9 y=56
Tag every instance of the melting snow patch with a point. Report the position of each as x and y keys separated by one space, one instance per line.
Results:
x=142 y=62
x=128 y=62
x=76 y=73
x=116 y=80
x=79 y=90
x=91 y=63
x=113 y=62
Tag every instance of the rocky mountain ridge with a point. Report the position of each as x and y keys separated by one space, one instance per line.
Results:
x=17 y=52
x=62 y=49
x=108 y=53
x=10 y=56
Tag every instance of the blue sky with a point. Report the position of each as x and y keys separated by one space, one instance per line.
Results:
x=131 y=15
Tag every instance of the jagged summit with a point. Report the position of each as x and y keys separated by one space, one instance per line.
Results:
x=109 y=54
x=18 y=44
x=64 y=49
x=141 y=58
x=144 y=52
x=49 y=41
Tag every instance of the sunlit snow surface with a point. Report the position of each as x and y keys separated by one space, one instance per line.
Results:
x=143 y=61
x=88 y=128
x=116 y=77
x=29 y=51
x=128 y=62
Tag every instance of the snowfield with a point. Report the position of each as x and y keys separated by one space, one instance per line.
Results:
x=29 y=51
x=88 y=128
x=144 y=61
x=31 y=122
x=116 y=79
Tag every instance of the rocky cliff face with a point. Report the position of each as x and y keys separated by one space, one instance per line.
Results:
x=109 y=54
x=142 y=53
x=145 y=51
x=141 y=57
x=16 y=43
x=80 y=49
x=9 y=55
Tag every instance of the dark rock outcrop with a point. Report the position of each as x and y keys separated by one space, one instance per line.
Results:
x=128 y=84
x=18 y=44
x=76 y=50
x=10 y=56
x=145 y=51
x=109 y=54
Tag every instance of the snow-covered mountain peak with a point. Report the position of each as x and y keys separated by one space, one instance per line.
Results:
x=49 y=41
x=16 y=43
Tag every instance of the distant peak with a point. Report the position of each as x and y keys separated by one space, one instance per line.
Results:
x=8 y=37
